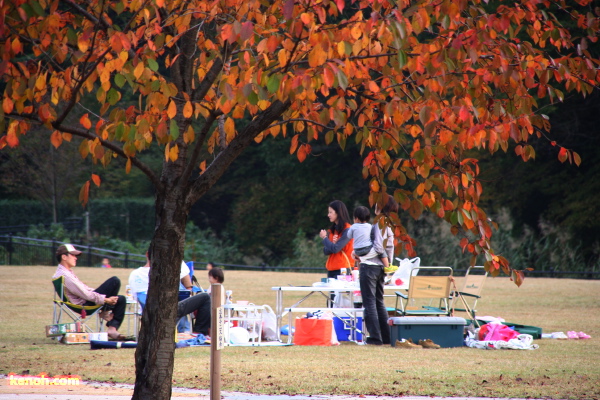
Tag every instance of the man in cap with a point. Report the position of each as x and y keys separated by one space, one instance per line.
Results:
x=79 y=293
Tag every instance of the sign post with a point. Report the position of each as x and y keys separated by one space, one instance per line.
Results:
x=217 y=339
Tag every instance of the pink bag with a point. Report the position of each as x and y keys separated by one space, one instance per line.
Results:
x=493 y=332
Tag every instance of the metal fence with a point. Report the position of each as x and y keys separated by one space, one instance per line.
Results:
x=16 y=250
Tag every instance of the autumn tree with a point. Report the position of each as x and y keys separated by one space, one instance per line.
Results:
x=415 y=83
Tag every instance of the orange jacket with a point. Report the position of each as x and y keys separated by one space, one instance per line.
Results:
x=339 y=249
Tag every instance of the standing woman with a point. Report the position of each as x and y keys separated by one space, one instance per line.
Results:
x=336 y=243
x=372 y=280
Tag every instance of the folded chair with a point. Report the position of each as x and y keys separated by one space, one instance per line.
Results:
x=465 y=298
x=76 y=312
x=427 y=294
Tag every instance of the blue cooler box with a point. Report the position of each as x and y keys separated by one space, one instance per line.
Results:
x=343 y=331
x=445 y=331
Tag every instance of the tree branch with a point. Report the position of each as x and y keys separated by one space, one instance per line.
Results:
x=220 y=164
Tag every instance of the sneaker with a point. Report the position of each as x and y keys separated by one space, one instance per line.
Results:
x=428 y=344
x=558 y=335
x=405 y=344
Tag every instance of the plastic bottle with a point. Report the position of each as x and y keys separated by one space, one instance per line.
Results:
x=355 y=274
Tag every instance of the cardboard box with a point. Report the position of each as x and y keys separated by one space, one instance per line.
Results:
x=61 y=329
x=445 y=331
x=75 y=338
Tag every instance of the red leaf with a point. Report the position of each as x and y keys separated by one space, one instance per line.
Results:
x=562 y=155
x=288 y=9
x=340 y=4
x=84 y=193
x=96 y=180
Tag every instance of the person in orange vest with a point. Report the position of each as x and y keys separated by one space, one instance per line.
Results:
x=336 y=243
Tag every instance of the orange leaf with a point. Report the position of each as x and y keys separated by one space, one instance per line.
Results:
x=128 y=166
x=96 y=180
x=84 y=193
x=374 y=186
x=174 y=153
x=172 y=110
x=56 y=139
x=303 y=151
x=85 y=121
x=7 y=105
x=294 y=144
x=188 y=110
x=373 y=87
x=328 y=77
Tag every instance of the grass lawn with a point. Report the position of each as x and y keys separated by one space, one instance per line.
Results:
x=559 y=369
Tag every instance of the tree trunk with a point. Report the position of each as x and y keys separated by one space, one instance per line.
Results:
x=154 y=356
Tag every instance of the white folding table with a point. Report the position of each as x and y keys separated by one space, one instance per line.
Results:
x=281 y=310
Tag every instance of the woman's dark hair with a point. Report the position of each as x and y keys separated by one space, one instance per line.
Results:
x=217 y=273
x=343 y=216
x=390 y=206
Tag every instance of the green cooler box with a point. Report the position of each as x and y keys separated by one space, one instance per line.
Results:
x=445 y=331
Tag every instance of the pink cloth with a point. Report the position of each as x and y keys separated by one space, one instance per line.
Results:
x=497 y=332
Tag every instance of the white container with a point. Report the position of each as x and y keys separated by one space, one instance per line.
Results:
x=102 y=336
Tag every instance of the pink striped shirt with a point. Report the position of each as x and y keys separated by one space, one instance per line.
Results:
x=75 y=290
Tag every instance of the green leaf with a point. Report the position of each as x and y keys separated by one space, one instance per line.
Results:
x=28 y=10
x=37 y=8
x=402 y=59
x=113 y=96
x=120 y=80
x=119 y=131
x=253 y=98
x=174 y=129
x=152 y=64
x=342 y=79
x=274 y=82
x=419 y=156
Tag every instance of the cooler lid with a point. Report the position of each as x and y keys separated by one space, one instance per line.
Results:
x=427 y=321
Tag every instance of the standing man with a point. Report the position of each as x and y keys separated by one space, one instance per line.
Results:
x=107 y=294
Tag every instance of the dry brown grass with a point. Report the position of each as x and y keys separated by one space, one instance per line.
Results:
x=566 y=369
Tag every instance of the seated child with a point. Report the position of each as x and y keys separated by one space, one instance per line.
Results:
x=363 y=233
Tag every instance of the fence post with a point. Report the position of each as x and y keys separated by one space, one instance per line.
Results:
x=52 y=250
x=9 y=248
x=126 y=258
x=89 y=255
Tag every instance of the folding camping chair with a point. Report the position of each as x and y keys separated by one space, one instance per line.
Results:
x=465 y=298
x=427 y=294
x=76 y=312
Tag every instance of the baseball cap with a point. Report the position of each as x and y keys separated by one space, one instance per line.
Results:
x=67 y=249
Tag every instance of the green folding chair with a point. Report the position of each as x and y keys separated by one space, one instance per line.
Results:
x=78 y=313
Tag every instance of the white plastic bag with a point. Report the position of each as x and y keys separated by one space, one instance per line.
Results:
x=269 y=324
x=342 y=300
x=401 y=277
